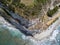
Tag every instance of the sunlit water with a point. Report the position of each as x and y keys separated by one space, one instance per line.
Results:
x=12 y=36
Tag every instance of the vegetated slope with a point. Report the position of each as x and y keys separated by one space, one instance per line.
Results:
x=32 y=9
x=24 y=8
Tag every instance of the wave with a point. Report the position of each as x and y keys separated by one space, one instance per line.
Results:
x=29 y=40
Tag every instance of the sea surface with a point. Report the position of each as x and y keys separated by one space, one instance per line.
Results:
x=12 y=36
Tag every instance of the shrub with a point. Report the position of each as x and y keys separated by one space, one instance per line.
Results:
x=51 y=12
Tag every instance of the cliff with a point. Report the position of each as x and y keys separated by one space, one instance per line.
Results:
x=33 y=10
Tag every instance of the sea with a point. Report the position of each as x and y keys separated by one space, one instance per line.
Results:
x=9 y=35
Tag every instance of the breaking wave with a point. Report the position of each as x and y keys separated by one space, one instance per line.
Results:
x=54 y=39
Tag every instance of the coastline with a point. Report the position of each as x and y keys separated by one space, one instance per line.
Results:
x=47 y=33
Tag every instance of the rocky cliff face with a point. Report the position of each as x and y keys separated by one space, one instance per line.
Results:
x=30 y=8
x=33 y=10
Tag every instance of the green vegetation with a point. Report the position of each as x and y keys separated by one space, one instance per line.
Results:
x=51 y=12
x=43 y=2
x=21 y=5
x=16 y=2
x=27 y=10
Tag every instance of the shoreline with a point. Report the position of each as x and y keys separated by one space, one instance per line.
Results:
x=48 y=31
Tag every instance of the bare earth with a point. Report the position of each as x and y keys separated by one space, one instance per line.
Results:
x=27 y=2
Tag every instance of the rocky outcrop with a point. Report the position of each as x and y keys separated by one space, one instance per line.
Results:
x=14 y=20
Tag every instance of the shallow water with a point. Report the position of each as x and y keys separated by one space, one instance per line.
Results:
x=12 y=36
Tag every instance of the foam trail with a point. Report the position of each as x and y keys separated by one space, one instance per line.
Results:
x=16 y=32
x=54 y=34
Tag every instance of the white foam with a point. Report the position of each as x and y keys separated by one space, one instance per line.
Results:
x=54 y=35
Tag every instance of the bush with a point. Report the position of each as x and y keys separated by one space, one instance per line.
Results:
x=51 y=12
x=21 y=5
x=16 y=2
x=43 y=2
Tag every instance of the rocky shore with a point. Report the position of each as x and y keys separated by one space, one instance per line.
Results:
x=49 y=30
x=22 y=24
x=16 y=20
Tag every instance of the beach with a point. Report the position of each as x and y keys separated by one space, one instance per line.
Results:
x=49 y=30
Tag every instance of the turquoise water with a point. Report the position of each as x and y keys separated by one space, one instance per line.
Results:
x=12 y=36
x=55 y=38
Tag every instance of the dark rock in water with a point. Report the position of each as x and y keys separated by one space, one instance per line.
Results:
x=21 y=20
x=16 y=23
x=17 y=17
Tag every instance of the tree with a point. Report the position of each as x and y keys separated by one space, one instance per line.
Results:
x=51 y=12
